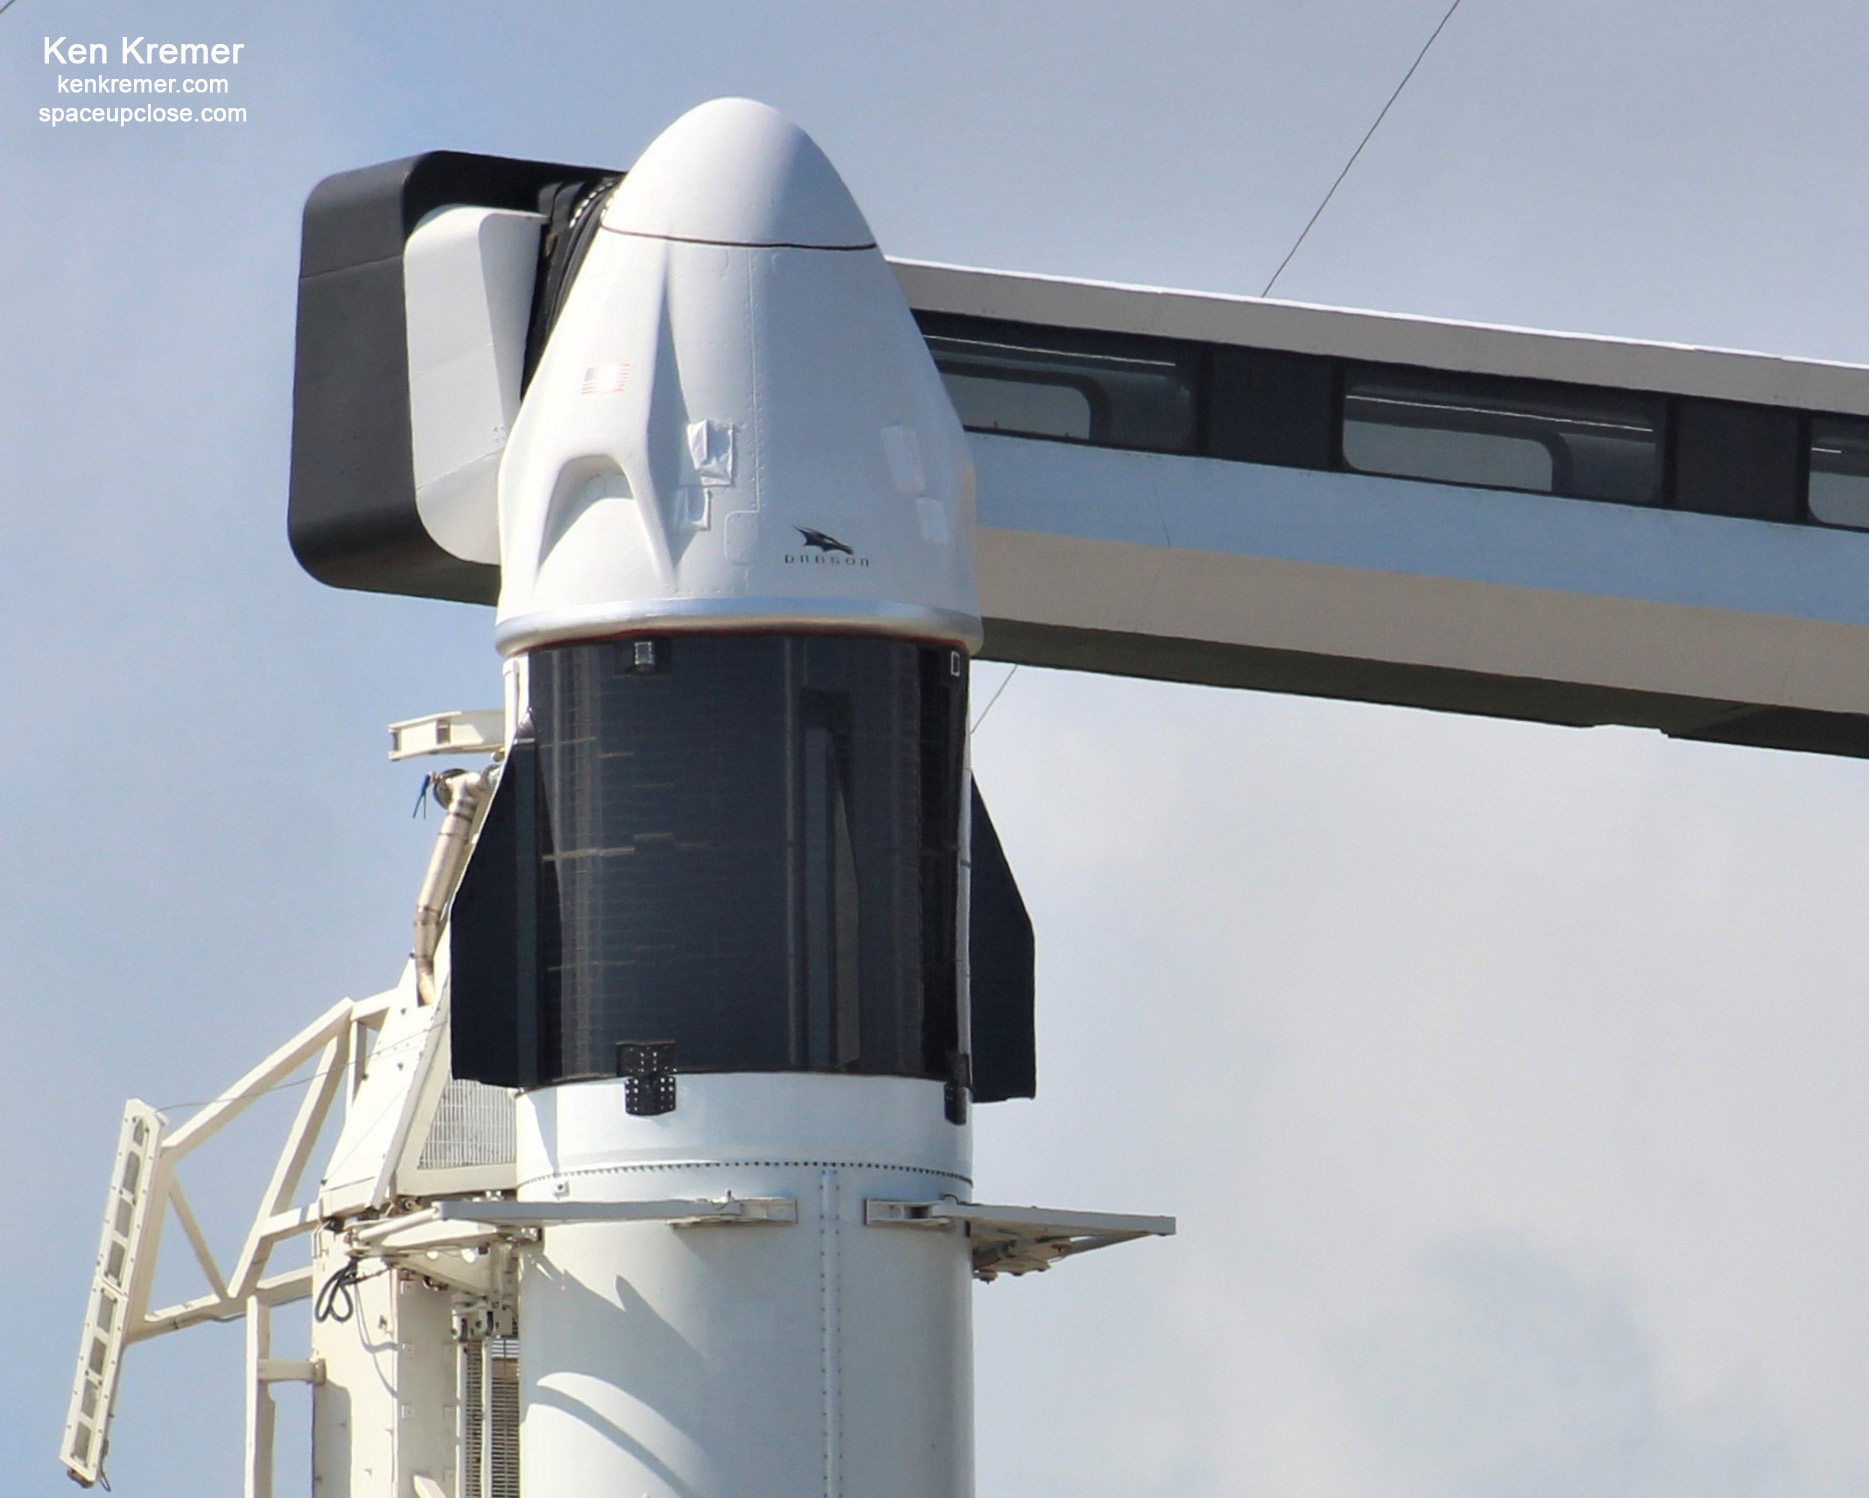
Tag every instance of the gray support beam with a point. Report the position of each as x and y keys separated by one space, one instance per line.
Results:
x=1426 y=595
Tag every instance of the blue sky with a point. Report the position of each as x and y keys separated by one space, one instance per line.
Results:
x=1506 y=1080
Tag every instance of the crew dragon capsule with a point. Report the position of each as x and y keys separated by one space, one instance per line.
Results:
x=735 y=423
x=735 y=934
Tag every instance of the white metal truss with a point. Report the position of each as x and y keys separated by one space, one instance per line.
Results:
x=145 y=1187
x=389 y=1150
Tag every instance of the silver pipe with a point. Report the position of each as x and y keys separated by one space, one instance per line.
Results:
x=463 y=793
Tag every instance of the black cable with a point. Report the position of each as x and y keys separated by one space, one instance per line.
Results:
x=1359 y=149
x=3 y=10
x=335 y=1301
x=573 y=221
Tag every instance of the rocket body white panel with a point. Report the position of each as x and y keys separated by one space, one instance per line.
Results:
x=386 y=1408
x=735 y=435
x=581 y=1130
x=792 y=1360
x=467 y=298
x=362 y=1170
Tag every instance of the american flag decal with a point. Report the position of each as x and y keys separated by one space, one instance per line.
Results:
x=605 y=379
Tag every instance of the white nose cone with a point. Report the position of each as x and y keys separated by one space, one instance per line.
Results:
x=736 y=423
x=738 y=172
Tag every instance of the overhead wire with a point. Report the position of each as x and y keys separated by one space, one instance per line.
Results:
x=8 y=6
x=1367 y=136
x=1005 y=681
x=1297 y=244
x=305 y=1081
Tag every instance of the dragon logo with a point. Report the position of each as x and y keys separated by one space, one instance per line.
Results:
x=822 y=542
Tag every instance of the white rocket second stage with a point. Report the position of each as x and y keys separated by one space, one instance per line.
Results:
x=715 y=927
x=737 y=599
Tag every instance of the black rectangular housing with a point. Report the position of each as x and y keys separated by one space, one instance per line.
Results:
x=351 y=515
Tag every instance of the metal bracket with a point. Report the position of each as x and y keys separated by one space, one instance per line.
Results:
x=648 y=1072
x=959 y=1086
x=480 y=732
x=465 y=1224
x=676 y=1212
x=290 y=1371
x=1018 y=1240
